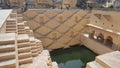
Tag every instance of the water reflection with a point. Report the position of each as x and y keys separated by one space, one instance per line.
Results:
x=74 y=57
x=69 y=64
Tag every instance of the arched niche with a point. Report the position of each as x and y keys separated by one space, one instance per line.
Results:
x=100 y=37
x=109 y=41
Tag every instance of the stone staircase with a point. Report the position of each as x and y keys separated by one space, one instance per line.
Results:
x=18 y=46
x=24 y=52
x=109 y=60
x=11 y=25
x=7 y=50
x=21 y=29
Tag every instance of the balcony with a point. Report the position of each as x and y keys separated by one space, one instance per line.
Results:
x=94 y=45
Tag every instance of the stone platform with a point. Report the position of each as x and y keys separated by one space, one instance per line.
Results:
x=109 y=60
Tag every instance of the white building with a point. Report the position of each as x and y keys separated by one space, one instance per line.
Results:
x=117 y=4
x=109 y=3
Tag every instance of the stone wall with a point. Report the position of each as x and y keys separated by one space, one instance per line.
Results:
x=106 y=19
x=107 y=23
x=57 y=28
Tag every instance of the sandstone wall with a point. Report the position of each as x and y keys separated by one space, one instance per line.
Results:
x=106 y=20
x=108 y=23
x=57 y=28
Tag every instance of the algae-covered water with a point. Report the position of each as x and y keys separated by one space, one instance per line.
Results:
x=74 y=57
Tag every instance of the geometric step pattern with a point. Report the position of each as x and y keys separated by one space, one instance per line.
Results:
x=58 y=29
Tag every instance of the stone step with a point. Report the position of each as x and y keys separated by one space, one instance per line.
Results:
x=13 y=15
x=40 y=49
x=25 y=55
x=21 y=27
x=31 y=35
x=11 y=19
x=20 y=30
x=32 y=39
x=8 y=38
x=34 y=47
x=14 y=11
x=24 y=49
x=7 y=48
x=32 y=42
x=27 y=28
x=8 y=64
x=19 y=21
x=19 y=15
x=20 y=18
x=11 y=29
x=25 y=44
x=23 y=32
x=35 y=54
x=11 y=22
x=31 y=31
x=7 y=56
x=21 y=24
x=94 y=64
x=10 y=26
x=109 y=60
x=25 y=61
x=34 y=51
x=23 y=38
x=28 y=32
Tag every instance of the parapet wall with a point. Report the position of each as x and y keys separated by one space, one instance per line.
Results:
x=57 y=28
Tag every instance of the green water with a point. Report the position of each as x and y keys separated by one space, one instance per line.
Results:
x=74 y=57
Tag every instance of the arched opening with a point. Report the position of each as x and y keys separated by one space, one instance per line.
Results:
x=109 y=41
x=100 y=38
x=91 y=35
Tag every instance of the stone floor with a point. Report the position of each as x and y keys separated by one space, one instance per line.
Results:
x=111 y=60
x=4 y=15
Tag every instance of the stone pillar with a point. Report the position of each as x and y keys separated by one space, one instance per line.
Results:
x=76 y=18
x=41 y=18
x=116 y=42
x=60 y=18
x=114 y=47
